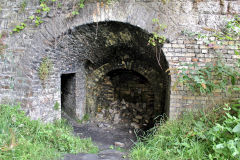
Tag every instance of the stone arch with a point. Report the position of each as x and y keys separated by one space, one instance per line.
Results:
x=45 y=43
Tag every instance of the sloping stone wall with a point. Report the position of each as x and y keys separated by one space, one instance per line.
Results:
x=20 y=61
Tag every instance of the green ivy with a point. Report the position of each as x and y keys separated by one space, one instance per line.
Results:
x=156 y=38
x=19 y=27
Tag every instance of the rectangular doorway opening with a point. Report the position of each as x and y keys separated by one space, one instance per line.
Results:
x=68 y=94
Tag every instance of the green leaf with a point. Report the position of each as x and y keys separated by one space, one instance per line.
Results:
x=236 y=89
x=31 y=17
x=236 y=129
x=236 y=52
x=233 y=80
x=219 y=146
x=81 y=5
x=38 y=11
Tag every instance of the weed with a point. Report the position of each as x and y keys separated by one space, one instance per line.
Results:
x=111 y=147
x=23 y=5
x=45 y=68
x=56 y=106
x=120 y=149
x=156 y=37
x=85 y=118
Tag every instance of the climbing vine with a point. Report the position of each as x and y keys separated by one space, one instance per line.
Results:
x=157 y=38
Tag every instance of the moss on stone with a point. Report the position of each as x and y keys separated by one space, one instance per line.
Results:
x=119 y=37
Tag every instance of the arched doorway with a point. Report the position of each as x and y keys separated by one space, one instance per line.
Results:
x=113 y=65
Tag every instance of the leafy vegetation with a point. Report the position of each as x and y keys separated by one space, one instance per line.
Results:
x=23 y=139
x=19 y=27
x=215 y=75
x=85 y=118
x=206 y=80
x=206 y=134
x=156 y=37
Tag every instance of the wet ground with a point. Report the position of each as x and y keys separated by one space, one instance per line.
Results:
x=113 y=141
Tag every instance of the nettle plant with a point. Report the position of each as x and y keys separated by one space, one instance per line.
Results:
x=206 y=80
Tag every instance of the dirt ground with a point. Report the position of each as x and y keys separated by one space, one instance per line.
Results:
x=114 y=141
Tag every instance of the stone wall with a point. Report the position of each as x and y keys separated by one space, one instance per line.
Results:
x=70 y=53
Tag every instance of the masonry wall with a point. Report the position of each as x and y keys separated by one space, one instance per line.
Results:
x=21 y=54
x=185 y=51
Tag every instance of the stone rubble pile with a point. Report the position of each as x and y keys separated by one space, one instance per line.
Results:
x=133 y=115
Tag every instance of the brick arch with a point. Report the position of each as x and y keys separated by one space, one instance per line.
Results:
x=154 y=78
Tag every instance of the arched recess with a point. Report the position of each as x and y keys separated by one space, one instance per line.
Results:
x=92 y=51
x=95 y=50
x=83 y=50
x=99 y=85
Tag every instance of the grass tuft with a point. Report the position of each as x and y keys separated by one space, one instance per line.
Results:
x=24 y=139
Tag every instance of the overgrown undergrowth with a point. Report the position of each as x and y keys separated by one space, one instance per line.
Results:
x=210 y=134
x=24 y=139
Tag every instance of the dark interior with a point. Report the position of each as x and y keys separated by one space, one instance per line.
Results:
x=129 y=94
x=68 y=93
